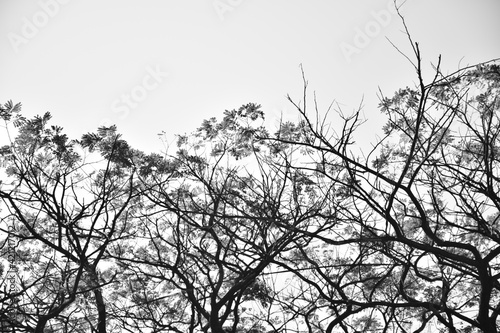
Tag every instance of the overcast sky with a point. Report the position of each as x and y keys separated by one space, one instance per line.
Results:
x=158 y=65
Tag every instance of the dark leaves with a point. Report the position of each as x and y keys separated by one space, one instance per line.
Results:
x=9 y=109
x=109 y=143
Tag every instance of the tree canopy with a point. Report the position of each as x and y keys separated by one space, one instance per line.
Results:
x=241 y=228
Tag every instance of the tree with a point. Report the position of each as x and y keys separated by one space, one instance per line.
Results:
x=213 y=228
x=419 y=214
x=243 y=230
x=66 y=210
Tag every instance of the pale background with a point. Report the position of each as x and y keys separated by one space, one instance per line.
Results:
x=78 y=58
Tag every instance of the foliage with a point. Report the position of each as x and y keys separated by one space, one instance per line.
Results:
x=420 y=218
x=242 y=229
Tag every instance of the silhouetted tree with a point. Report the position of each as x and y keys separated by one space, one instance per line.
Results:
x=417 y=216
x=64 y=208
x=240 y=229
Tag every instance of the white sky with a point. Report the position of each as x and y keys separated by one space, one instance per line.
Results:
x=78 y=59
